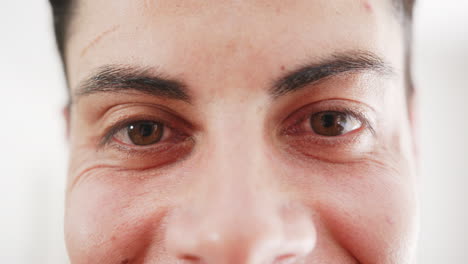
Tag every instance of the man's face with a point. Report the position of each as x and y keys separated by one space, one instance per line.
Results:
x=238 y=132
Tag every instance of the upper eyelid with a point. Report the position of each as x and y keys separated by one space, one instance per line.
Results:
x=133 y=112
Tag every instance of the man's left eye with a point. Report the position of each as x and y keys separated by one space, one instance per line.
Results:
x=333 y=123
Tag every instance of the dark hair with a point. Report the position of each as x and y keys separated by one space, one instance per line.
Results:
x=61 y=16
x=61 y=10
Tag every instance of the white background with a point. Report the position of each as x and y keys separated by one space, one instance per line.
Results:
x=33 y=146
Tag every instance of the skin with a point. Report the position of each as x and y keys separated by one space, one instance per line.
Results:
x=232 y=181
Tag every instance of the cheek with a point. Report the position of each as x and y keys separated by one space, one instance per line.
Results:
x=111 y=218
x=368 y=209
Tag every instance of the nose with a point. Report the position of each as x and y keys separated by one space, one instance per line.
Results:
x=235 y=220
x=235 y=236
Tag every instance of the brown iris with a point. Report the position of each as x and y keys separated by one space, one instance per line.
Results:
x=330 y=123
x=145 y=132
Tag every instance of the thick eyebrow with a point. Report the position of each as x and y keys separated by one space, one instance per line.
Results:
x=118 y=78
x=348 y=62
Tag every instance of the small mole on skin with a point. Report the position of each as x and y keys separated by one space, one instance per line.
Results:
x=367 y=6
x=231 y=46
x=389 y=220
x=282 y=67
x=125 y=261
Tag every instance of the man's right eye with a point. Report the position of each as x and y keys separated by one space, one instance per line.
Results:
x=145 y=133
x=147 y=142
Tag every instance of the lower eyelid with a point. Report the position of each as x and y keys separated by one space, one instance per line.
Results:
x=142 y=151
x=305 y=139
x=303 y=130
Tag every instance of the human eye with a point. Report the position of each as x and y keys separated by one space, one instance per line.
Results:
x=333 y=123
x=141 y=133
x=146 y=140
x=332 y=129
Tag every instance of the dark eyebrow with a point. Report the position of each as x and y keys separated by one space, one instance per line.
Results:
x=340 y=63
x=117 y=78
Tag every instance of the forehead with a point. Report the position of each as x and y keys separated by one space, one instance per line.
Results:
x=206 y=39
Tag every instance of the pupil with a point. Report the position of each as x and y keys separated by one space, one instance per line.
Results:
x=146 y=130
x=328 y=120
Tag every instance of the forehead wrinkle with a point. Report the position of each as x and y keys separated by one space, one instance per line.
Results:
x=98 y=38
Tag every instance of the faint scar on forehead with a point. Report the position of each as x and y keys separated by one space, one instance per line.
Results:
x=98 y=38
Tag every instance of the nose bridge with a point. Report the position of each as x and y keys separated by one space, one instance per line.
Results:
x=236 y=187
x=236 y=146
x=235 y=212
